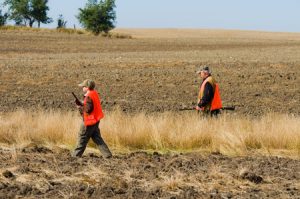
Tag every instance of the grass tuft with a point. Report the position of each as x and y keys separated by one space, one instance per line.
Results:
x=159 y=131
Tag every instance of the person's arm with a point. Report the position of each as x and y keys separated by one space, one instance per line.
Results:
x=89 y=107
x=207 y=96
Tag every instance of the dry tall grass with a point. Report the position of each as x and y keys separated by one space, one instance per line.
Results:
x=165 y=131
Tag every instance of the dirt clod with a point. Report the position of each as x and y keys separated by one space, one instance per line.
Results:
x=8 y=174
x=144 y=175
x=252 y=177
x=33 y=148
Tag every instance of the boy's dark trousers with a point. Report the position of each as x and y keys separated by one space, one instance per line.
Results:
x=87 y=132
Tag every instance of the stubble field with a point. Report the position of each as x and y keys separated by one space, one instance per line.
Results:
x=149 y=79
x=257 y=72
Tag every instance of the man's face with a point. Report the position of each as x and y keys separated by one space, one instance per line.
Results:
x=203 y=74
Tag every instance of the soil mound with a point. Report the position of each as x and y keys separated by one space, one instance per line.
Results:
x=38 y=172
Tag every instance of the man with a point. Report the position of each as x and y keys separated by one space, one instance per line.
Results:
x=91 y=112
x=209 y=100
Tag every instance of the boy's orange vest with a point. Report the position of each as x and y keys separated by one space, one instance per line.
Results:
x=96 y=115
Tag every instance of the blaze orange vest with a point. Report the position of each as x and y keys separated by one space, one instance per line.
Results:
x=216 y=102
x=96 y=115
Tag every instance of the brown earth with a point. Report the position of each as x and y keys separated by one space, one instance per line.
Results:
x=40 y=172
x=258 y=72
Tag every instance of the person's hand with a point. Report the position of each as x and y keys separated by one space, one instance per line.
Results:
x=77 y=102
x=198 y=108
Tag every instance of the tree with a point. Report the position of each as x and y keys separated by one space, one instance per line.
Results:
x=98 y=16
x=39 y=11
x=61 y=23
x=28 y=11
x=19 y=11
x=3 y=18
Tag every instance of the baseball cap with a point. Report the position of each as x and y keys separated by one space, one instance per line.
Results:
x=204 y=68
x=88 y=83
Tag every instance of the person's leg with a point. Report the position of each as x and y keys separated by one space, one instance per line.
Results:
x=204 y=114
x=215 y=113
x=96 y=136
x=83 y=139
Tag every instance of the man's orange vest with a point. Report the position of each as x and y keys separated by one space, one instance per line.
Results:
x=96 y=115
x=216 y=102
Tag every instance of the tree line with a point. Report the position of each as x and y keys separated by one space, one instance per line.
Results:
x=97 y=16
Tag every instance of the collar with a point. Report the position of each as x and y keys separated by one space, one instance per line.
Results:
x=206 y=77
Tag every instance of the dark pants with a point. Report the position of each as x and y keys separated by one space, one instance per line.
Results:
x=87 y=132
x=213 y=113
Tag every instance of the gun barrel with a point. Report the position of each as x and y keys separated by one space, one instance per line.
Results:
x=77 y=101
x=227 y=108
x=74 y=95
x=187 y=109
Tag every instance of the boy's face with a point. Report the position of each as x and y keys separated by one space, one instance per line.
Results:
x=85 y=89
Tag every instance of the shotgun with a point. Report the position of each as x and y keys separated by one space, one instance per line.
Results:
x=77 y=101
x=226 y=108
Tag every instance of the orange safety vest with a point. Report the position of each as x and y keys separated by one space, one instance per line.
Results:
x=96 y=115
x=216 y=102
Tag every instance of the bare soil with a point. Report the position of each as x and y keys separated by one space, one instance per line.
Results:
x=154 y=72
x=257 y=72
x=40 y=172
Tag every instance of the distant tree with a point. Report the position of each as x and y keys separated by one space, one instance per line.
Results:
x=39 y=11
x=61 y=23
x=97 y=16
x=3 y=18
x=19 y=11
x=28 y=11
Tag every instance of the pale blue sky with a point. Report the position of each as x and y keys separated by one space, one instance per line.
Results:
x=269 y=15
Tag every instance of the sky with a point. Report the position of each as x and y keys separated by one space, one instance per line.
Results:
x=266 y=15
